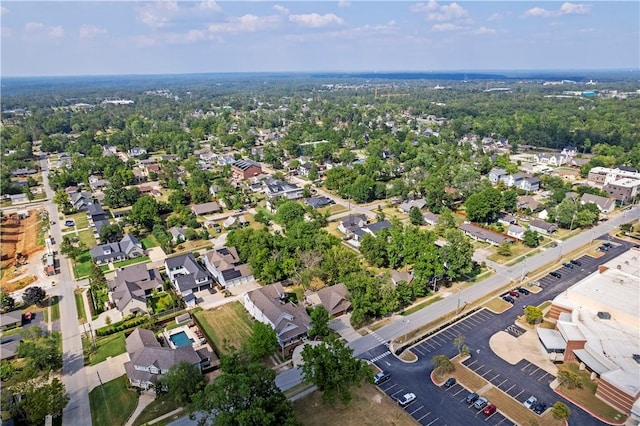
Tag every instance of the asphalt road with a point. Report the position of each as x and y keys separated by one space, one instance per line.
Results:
x=77 y=412
x=451 y=304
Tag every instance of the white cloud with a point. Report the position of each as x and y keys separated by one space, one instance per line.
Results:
x=157 y=14
x=442 y=13
x=210 y=5
x=245 y=23
x=484 y=30
x=494 y=17
x=88 y=31
x=344 y=3
x=38 y=30
x=171 y=38
x=281 y=9
x=566 y=9
x=448 y=26
x=315 y=20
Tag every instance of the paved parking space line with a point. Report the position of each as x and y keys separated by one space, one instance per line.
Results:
x=479 y=368
x=389 y=388
x=461 y=390
x=503 y=419
x=488 y=417
x=534 y=371
x=505 y=380
x=471 y=363
x=395 y=393
x=519 y=393
x=422 y=406
x=424 y=416
x=512 y=386
x=418 y=350
x=468 y=326
x=488 y=371
x=494 y=377
x=525 y=367
x=428 y=343
x=543 y=376
x=435 y=420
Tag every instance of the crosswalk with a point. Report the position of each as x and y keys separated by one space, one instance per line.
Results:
x=379 y=357
x=379 y=339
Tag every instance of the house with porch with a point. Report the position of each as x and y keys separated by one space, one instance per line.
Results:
x=226 y=268
x=333 y=298
x=127 y=248
x=132 y=286
x=542 y=227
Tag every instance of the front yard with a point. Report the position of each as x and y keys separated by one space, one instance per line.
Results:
x=226 y=327
x=112 y=403
x=82 y=265
x=161 y=405
x=108 y=346
x=122 y=264
x=81 y=220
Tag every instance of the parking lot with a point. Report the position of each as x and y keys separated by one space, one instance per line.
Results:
x=459 y=393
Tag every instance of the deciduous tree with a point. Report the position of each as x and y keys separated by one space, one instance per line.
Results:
x=183 y=381
x=319 y=322
x=262 y=341
x=34 y=296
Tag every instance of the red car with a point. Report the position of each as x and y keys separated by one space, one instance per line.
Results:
x=514 y=294
x=490 y=409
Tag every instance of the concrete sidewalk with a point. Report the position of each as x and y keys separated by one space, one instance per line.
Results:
x=145 y=399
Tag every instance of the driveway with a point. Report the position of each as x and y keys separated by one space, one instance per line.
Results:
x=110 y=369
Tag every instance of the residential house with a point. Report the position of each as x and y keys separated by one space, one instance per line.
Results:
x=551 y=159
x=187 y=276
x=127 y=248
x=225 y=266
x=333 y=298
x=528 y=202
x=177 y=234
x=11 y=319
x=206 y=208
x=137 y=151
x=276 y=188
x=149 y=361
x=506 y=219
x=374 y=228
x=109 y=151
x=578 y=162
x=497 y=174
x=513 y=180
x=18 y=199
x=152 y=168
x=407 y=205
x=624 y=190
x=97 y=217
x=22 y=172
x=96 y=182
x=245 y=169
x=569 y=151
x=269 y=305
x=397 y=276
x=542 y=227
x=530 y=183
x=516 y=231
x=132 y=286
x=605 y=205
x=235 y=221
x=80 y=200
x=431 y=218
x=303 y=169
x=352 y=221
x=319 y=202
x=9 y=346
x=485 y=235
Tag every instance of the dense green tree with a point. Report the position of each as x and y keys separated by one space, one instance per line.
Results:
x=531 y=238
x=457 y=255
x=110 y=233
x=504 y=249
x=34 y=296
x=62 y=199
x=533 y=314
x=319 y=322
x=560 y=411
x=43 y=400
x=569 y=379
x=262 y=341
x=446 y=220
x=443 y=364
x=7 y=303
x=289 y=212
x=145 y=212
x=415 y=216
x=183 y=381
x=484 y=206
x=244 y=394
x=331 y=367
x=374 y=249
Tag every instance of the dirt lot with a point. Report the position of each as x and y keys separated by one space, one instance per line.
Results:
x=18 y=236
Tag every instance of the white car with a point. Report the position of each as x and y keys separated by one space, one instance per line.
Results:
x=406 y=399
x=531 y=402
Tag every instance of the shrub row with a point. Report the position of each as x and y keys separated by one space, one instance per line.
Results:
x=120 y=326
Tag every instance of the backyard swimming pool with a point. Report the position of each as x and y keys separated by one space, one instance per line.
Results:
x=181 y=339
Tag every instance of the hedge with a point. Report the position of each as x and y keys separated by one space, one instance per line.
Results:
x=120 y=326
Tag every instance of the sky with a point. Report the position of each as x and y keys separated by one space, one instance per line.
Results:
x=51 y=38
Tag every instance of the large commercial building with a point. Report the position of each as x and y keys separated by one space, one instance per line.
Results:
x=598 y=325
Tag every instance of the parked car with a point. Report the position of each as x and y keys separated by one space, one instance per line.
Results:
x=540 y=408
x=69 y=223
x=607 y=244
x=603 y=248
x=530 y=402
x=523 y=291
x=568 y=265
x=490 y=409
x=471 y=398
x=52 y=222
x=514 y=293
x=576 y=262
x=450 y=382
x=555 y=274
x=381 y=377
x=509 y=299
x=406 y=399
x=480 y=403
x=28 y=316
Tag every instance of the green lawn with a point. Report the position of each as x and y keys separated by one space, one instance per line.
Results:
x=55 y=309
x=226 y=327
x=86 y=237
x=419 y=306
x=82 y=265
x=80 y=219
x=82 y=316
x=112 y=403
x=111 y=345
x=161 y=302
x=161 y=405
x=149 y=241
x=127 y=262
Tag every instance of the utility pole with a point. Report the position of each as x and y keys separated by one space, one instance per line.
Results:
x=104 y=396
